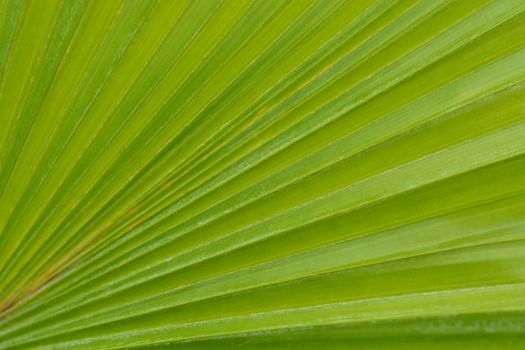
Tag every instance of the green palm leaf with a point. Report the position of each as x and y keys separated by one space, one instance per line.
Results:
x=262 y=174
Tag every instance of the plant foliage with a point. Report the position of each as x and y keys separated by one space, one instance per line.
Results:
x=262 y=174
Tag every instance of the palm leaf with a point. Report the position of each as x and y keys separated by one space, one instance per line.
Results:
x=263 y=174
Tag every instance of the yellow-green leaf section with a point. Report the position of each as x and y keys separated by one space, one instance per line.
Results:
x=262 y=174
